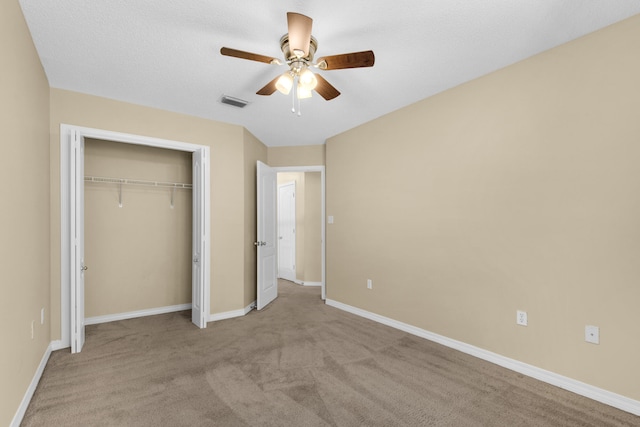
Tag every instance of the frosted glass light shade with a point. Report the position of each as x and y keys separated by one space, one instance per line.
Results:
x=285 y=83
x=303 y=92
x=307 y=80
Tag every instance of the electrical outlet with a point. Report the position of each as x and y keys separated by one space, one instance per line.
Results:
x=369 y=284
x=42 y=316
x=33 y=324
x=521 y=318
x=592 y=334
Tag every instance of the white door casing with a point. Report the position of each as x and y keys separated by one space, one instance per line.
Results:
x=267 y=282
x=72 y=207
x=78 y=267
x=287 y=231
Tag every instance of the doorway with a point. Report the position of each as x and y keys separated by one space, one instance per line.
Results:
x=266 y=230
x=309 y=258
x=72 y=225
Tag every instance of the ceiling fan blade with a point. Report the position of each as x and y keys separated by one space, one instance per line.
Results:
x=248 y=55
x=326 y=89
x=347 y=60
x=269 y=88
x=299 y=33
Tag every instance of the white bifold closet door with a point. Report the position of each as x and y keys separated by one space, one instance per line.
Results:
x=78 y=266
x=199 y=314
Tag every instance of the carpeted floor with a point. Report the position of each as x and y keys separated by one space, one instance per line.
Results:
x=296 y=363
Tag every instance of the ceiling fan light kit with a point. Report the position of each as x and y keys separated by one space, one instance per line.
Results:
x=299 y=47
x=285 y=83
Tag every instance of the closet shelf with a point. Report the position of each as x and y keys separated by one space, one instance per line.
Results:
x=105 y=180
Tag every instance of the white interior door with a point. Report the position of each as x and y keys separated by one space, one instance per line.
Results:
x=267 y=289
x=77 y=266
x=199 y=313
x=287 y=231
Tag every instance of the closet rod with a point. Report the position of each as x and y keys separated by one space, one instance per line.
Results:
x=137 y=182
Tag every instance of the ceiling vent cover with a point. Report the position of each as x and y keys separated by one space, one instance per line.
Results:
x=236 y=102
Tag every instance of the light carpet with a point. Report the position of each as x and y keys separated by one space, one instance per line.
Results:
x=298 y=362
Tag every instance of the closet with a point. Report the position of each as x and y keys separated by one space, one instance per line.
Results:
x=138 y=236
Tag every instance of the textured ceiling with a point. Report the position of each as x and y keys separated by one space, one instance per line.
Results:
x=165 y=53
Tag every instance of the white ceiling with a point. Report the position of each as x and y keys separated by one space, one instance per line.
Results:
x=165 y=53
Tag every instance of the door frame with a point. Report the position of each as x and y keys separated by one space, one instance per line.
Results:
x=65 y=209
x=323 y=235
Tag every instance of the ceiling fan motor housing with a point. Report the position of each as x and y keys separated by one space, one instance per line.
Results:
x=291 y=56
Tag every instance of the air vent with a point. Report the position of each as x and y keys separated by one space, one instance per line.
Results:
x=236 y=102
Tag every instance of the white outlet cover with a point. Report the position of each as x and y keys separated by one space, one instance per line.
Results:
x=521 y=318
x=592 y=334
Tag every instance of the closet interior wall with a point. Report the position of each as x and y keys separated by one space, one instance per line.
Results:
x=138 y=255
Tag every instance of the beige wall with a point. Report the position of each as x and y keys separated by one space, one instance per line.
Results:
x=308 y=155
x=312 y=227
x=139 y=255
x=308 y=224
x=24 y=217
x=519 y=190
x=227 y=182
x=254 y=150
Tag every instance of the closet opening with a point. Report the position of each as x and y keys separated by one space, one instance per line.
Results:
x=74 y=264
x=138 y=236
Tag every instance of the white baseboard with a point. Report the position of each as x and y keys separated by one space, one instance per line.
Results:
x=231 y=314
x=298 y=282
x=24 y=404
x=58 y=345
x=312 y=283
x=133 y=314
x=604 y=396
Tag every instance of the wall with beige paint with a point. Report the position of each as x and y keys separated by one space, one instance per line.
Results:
x=519 y=190
x=139 y=255
x=312 y=227
x=307 y=155
x=227 y=182
x=24 y=217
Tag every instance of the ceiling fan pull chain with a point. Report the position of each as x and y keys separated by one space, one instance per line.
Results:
x=299 y=110
x=293 y=98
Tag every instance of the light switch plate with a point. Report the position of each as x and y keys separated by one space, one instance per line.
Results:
x=330 y=219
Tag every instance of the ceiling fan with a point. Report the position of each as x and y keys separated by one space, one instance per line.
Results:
x=299 y=47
